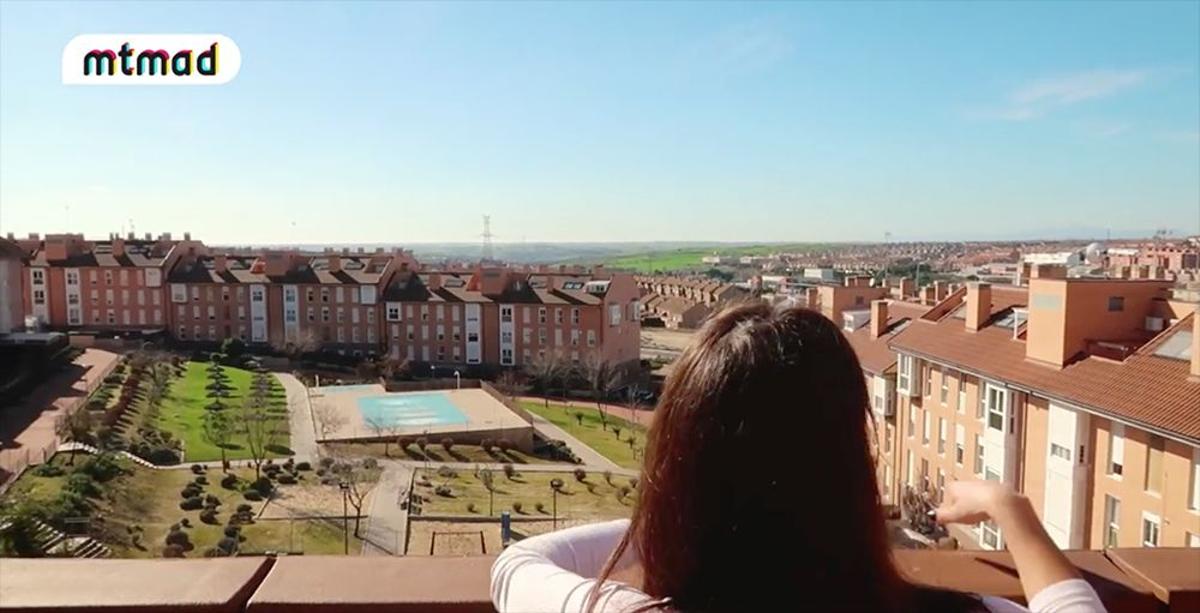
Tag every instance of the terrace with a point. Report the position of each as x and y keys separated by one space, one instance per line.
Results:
x=1128 y=580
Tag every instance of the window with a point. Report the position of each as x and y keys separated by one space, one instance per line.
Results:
x=1116 y=450
x=393 y=312
x=962 y=393
x=1058 y=451
x=924 y=475
x=324 y=294
x=978 y=456
x=904 y=373
x=72 y=277
x=339 y=295
x=574 y=338
x=941 y=436
x=575 y=316
x=558 y=318
x=506 y=314
x=424 y=312
x=989 y=535
x=541 y=315
x=909 y=468
x=370 y=316
x=941 y=485
x=1154 y=464
x=409 y=332
x=506 y=356
x=889 y=433
x=1193 y=540
x=960 y=444
x=912 y=421
x=440 y=312
x=456 y=335
x=591 y=338
x=542 y=336
x=614 y=315
x=39 y=296
x=1116 y=303
x=1150 y=528
x=472 y=337
x=341 y=315
x=928 y=421
x=108 y=277
x=997 y=401
x=526 y=336
x=325 y=314
x=1112 y=521
x=945 y=392
x=212 y=313
x=38 y=276
x=927 y=380
x=1194 y=492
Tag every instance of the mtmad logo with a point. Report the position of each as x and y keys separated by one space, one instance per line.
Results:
x=150 y=59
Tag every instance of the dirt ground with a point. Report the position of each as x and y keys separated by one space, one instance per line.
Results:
x=472 y=538
x=304 y=500
x=664 y=343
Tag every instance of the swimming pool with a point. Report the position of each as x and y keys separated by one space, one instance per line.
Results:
x=338 y=389
x=410 y=410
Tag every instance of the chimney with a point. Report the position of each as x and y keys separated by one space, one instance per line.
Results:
x=1196 y=342
x=187 y=236
x=335 y=263
x=979 y=304
x=10 y=236
x=928 y=296
x=879 y=317
x=148 y=237
x=811 y=298
x=940 y=290
x=220 y=263
x=906 y=287
x=118 y=247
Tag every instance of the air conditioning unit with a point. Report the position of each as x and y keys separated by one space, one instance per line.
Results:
x=1154 y=324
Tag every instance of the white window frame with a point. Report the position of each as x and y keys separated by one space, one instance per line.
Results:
x=1116 y=451
x=1112 y=521
x=1150 y=519
x=904 y=366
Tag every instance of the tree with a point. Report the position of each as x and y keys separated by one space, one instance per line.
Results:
x=545 y=370
x=260 y=427
x=489 y=483
x=217 y=429
x=384 y=430
x=76 y=427
x=358 y=480
x=233 y=347
x=602 y=378
x=306 y=342
x=510 y=384
x=327 y=418
x=391 y=368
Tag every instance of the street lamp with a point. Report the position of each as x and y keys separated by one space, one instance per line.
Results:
x=457 y=380
x=555 y=485
x=433 y=371
x=345 y=487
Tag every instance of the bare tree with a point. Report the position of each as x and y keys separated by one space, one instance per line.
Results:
x=602 y=378
x=75 y=427
x=260 y=426
x=358 y=479
x=510 y=384
x=384 y=430
x=545 y=370
x=217 y=429
x=306 y=342
x=327 y=417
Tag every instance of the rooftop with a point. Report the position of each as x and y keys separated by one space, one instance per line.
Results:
x=1127 y=580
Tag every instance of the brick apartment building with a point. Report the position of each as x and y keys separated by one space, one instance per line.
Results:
x=378 y=303
x=1082 y=393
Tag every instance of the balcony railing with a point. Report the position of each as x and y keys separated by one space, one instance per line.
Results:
x=1128 y=581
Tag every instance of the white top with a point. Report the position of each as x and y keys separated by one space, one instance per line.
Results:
x=555 y=572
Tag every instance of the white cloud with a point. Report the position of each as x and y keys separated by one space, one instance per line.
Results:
x=1040 y=97
x=1181 y=136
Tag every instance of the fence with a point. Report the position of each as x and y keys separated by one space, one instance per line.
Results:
x=512 y=405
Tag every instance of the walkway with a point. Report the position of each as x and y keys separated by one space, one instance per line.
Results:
x=27 y=428
x=589 y=456
x=301 y=423
x=387 y=521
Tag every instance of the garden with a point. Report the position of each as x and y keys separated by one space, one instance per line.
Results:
x=574 y=494
x=612 y=437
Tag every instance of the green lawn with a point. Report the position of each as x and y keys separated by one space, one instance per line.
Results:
x=590 y=433
x=685 y=259
x=182 y=413
x=528 y=488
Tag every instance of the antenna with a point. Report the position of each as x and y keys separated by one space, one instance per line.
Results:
x=487 y=238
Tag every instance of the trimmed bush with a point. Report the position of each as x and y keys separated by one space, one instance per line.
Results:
x=370 y=463
x=229 y=482
x=580 y=475
x=252 y=495
x=180 y=539
x=471 y=507
x=185 y=522
x=48 y=470
x=233 y=531
x=263 y=486
x=541 y=507
x=443 y=490
x=172 y=551
x=82 y=484
x=509 y=470
x=286 y=479
x=209 y=516
x=504 y=444
x=244 y=508
x=227 y=545
x=212 y=501
x=325 y=462
x=446 y=472
x=517 y=506
x=303 y=466
x=101 y=467
x=198 y=469
x=608 y=477
x=201 y=480
x=191 y=504
x=190 y=491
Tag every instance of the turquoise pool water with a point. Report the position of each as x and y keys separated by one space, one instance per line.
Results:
x=410 y=410
x=338 y=389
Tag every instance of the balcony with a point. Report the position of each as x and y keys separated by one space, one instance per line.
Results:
x=1128 y=580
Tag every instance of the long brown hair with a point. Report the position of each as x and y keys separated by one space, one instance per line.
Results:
x=758 y=488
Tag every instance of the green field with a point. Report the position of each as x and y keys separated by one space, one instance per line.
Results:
x=591 y=434
x=182 y=413
x=688 y=259
x=575 y=501
x=434 y=452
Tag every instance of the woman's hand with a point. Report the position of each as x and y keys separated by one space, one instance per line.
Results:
x=970 y=502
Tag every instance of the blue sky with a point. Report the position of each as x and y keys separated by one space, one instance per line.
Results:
x=403 y=123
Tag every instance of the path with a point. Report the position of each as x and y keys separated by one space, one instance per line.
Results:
x=589 y=456
x=27 y=427
x=523 y=468
x=387 y=521
x=301 y=423
x=642 y=417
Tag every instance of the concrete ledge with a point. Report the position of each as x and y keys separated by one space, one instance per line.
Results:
x=326 y=584
x=185 y=586
x=1128 y=581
